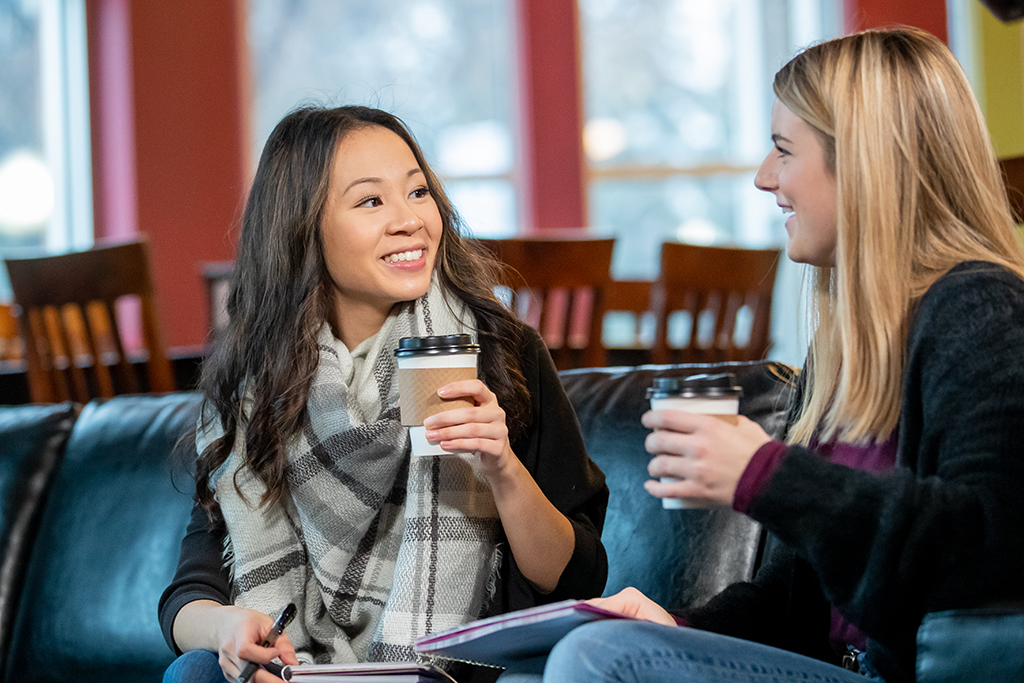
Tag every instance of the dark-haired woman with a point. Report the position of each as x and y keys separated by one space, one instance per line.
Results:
x=306 y=491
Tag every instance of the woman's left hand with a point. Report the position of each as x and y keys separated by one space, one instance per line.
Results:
x=480 y=428
x=706 y=454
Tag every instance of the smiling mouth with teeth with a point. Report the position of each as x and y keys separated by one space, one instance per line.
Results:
x=404 y=256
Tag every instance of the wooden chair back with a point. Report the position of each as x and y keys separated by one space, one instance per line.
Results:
x=629 y=316
x=723 y=298
x=70 y=325
x=216 y=281
x=10 y=340
x=558 y=287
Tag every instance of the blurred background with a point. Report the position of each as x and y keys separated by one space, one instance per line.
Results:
x=638 y=119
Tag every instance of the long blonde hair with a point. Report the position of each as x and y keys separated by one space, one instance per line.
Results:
x=918 y=191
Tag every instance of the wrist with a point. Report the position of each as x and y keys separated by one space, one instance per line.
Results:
x=505 y=476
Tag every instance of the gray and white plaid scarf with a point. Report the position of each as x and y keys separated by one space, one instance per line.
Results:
x=374 y=547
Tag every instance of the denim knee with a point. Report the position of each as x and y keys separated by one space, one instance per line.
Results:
x=195 y=666
x=584 y=653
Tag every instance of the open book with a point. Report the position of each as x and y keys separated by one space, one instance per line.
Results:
x=368 y=672
x=506 y=639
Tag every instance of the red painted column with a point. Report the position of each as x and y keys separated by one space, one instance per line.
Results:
x=927 y=14
x=115 y=206
x=169 y=104
x=550 y=163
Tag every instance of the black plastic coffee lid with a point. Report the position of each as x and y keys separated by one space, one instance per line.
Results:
x=721 y=385
x=432 y=346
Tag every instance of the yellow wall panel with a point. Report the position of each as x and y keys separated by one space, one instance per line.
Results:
x=1001 y=57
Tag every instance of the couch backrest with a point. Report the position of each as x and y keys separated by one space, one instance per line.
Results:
x=32 y=439
x=677 y=557
x=107 y=546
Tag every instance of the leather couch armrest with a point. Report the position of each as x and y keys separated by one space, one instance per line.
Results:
x=32 y=442
x=972 y=646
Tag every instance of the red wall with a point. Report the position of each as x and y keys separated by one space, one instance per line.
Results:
x=170 y=140
x=927 y=14
x=551 y=169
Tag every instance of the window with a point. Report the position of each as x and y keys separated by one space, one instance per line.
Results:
x=677 y=99
x=45 y=173
x=444 y=66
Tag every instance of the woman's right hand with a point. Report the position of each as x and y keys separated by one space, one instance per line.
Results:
x=632 y=603
x=235 y=634
x=240 y=633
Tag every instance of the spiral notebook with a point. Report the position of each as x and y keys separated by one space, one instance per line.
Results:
x=507 y=639
x=368 y=672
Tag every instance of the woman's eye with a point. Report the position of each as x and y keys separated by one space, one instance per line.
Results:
x=370 y=202
x=781 y=151
x=421 y=192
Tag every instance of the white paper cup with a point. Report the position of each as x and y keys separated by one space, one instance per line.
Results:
x=425 y=364
x=703 y=394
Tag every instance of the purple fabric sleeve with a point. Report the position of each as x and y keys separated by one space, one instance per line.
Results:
x=759 y=470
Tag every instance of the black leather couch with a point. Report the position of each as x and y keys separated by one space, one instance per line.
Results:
x=94 y=509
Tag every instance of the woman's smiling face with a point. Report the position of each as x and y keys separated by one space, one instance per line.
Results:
x=796 y=172
x=381 y=227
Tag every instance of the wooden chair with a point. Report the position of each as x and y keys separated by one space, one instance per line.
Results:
x=1013 y=175
x=558 y=286
x=71 y=332
x=723 y=298
x=10 y=340
x=629 y=316
x=216 y=280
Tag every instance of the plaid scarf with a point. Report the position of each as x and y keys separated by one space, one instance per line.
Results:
x=374 y=547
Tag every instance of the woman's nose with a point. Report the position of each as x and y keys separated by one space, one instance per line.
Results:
x=766 y=178
x=405 y=218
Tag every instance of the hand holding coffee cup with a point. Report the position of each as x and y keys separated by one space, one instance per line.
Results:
x=425 y=364
x=716 y=395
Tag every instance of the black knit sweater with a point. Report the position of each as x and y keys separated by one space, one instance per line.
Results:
x=553 y=452
x=943 y=529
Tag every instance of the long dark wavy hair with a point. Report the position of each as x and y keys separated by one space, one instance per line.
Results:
x=280 y=295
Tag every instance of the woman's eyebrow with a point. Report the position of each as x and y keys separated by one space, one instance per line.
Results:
x=776 y=138
x=376 y=181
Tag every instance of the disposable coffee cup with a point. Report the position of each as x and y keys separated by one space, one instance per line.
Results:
x=425 y=364
x=716 y=395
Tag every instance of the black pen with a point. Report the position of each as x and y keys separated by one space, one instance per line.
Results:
x=287 y=614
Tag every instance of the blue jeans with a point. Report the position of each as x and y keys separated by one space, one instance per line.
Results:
x=644 y=652
x=195 y=666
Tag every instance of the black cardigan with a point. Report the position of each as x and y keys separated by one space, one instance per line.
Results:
x=552 y=450
x=943 y=529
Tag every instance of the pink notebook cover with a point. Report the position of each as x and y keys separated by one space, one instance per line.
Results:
x=505 y=639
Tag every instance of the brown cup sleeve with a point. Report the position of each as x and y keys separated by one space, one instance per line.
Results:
x=417 y=390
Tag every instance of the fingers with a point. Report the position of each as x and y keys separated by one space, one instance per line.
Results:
x=468 y=430
x=632 y=603
x=481 y=428
x=706 y=454
x=287 y=650
x=229 y=666
x=486 y=410
x=472 y=388
x=673 y=487
x=674 y=420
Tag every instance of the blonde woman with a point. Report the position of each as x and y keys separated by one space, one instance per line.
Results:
x=898 y=489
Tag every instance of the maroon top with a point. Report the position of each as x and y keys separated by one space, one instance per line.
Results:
x=875 y=457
